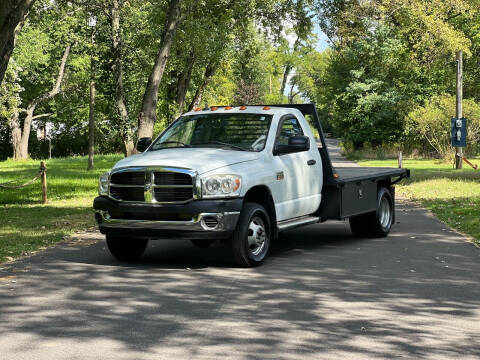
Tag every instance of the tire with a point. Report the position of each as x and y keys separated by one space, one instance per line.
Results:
x=377 y=223
x=251 y=239
x=202 y=243
x=126 y=249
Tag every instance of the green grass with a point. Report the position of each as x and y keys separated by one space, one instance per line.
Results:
x=452 y=195
x=25 y=224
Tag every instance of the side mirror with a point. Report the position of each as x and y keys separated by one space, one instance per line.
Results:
x=143 y=143
x=296 y=143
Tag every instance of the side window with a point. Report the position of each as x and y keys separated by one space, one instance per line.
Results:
x=289 y=127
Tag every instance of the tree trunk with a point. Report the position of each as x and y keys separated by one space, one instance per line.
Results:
x=286 y=73
x=16 y=134
x=27 y=124
x=184 y=82
x=148 y=112
x=12 y=12
x=125 y=126
x=209 y=72
x=288 y=68
x=91 y=107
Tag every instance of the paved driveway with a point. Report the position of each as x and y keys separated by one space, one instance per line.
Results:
x=322 y=294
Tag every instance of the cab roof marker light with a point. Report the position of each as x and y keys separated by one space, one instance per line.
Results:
x=266 y=108
x=197 y=109
x=228 y=108
x=243 y=107
x=213 y=108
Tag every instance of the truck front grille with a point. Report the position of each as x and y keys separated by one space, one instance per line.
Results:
x=173 y=194
x=151 y=185
x=127 y=193
x=128 y=178
x=172 y=178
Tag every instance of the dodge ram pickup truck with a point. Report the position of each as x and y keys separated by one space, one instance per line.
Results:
x=240 y=175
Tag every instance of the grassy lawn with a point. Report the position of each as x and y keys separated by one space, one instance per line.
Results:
x=452 y=195
x=25 y=224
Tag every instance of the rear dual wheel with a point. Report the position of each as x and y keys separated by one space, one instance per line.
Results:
x=377 y=223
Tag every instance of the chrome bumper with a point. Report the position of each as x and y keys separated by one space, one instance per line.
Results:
x=203 y=222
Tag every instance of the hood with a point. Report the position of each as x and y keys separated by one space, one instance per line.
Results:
x=197 y=159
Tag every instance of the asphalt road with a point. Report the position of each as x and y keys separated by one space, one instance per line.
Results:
x=322 y=294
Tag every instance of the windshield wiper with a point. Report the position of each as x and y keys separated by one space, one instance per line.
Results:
x=223 y=144
x=174 y=142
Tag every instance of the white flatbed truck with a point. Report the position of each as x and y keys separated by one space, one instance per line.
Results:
x=240 y=175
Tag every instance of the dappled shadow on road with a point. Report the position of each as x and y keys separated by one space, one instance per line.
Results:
x=322 y=294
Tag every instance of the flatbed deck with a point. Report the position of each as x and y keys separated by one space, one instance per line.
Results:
x=354 y=174
x=348 y=171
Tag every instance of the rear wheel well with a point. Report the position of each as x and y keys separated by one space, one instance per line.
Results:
x=261 y=195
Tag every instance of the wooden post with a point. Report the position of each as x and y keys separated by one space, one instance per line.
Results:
x=44 y=182
x=458 y=150
x=400 y=160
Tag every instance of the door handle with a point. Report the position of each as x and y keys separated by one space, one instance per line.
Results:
x=311 y=162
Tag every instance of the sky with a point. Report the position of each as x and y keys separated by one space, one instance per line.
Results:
x=322 y=43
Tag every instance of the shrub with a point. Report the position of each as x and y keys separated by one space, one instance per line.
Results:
x=431 y=124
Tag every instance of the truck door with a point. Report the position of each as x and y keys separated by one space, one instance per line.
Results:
x=298 y=185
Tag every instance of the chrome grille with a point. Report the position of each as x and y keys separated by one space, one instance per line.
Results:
x=171 y=178
x=127 y=193
x=168 y=194
x=128 y=178
x=152 y=185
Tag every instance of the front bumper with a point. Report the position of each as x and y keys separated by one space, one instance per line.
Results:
x=199 y=219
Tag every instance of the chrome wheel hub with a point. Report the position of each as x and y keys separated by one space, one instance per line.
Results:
x=385 y=213
x=257 y=236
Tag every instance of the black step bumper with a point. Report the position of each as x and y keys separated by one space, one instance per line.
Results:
x=198 y=219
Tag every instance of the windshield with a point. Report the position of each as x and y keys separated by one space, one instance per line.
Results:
x=242 y=132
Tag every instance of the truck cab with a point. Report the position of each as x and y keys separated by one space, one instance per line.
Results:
x=235 y=174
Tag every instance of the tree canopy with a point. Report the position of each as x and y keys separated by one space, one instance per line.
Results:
x=149 y=61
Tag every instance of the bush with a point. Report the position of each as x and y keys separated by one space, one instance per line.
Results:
x=431 y=124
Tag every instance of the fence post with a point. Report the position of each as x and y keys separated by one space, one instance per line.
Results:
x=400 y=160
x=43 y=168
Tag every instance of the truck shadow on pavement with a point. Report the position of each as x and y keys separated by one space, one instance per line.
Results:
x=322 y=294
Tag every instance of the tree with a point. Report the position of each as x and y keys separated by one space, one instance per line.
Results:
x=12 y=14
x=148 y=112
x=21 y=151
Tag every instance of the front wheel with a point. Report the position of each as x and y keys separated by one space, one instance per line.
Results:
x=378 y=223
x=126 y=249
x=251 y=239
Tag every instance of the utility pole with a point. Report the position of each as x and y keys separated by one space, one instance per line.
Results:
x=91 y=111
x=458 y=150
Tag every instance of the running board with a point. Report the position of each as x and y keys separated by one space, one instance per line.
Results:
x=293 y=223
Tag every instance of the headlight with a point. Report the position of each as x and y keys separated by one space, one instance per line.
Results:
x=103 y=184
x=221 y=186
